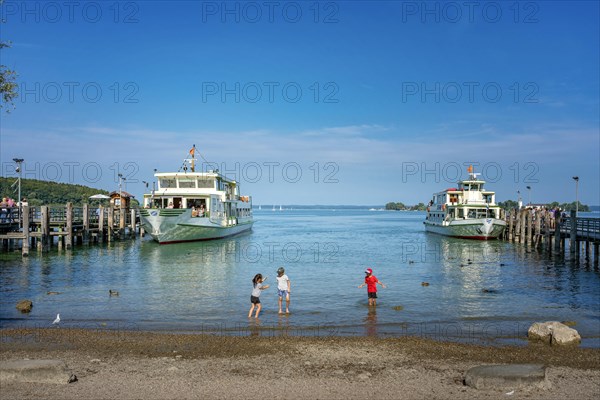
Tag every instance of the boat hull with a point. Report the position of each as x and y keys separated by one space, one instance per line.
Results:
x=174 y=226
x=479 y=229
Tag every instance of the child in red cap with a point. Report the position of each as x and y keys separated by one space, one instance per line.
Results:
x=371 y=281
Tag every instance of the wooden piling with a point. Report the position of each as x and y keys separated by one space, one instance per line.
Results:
x=60 y=239
x=547 y=225
x=587 y=250
x=122 y=221
x=522 y=218
x=25 y=244
x=537 y=237
x=111 y=220
x=529 y=227
x=69 y=228
x=85 y=235
x=101 y=224
x=511 y=216
x=557 y=233
x=573 y=236
x=132 y=232
x=45 y=239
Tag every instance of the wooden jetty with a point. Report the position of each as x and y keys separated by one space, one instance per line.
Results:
x=542 y=228
x=43 y=227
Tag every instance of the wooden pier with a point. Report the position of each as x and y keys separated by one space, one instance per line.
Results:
x=542 y=229
x=43 y=227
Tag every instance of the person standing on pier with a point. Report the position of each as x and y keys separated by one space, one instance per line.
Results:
x=371 y=281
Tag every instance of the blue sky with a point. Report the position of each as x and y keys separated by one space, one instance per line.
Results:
x=305 y=102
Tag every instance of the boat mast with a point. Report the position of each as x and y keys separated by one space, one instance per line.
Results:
x=193 y=152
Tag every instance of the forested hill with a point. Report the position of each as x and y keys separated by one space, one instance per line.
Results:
x=48 y=193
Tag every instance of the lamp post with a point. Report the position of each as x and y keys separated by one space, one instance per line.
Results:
x=576 y=179
x=529 y=195
x=519 y=202
x=19 y=161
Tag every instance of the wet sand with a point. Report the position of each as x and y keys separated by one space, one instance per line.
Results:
x=128 y=365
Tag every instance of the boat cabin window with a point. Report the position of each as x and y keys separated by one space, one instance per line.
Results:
x=461 y=213
x=166 y=183
x=480 y=213
x=187 y=183
x=206 y=183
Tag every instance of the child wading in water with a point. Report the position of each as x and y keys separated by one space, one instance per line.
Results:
x=258 y=287
x=371 y=281
x=283 y=290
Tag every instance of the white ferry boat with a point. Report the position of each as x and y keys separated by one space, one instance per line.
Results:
x=468 y=211
x=189 y=206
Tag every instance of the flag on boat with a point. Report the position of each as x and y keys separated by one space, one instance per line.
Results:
x=470 y=169
x=193 y=150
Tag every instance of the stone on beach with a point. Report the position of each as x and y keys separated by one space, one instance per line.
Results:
x=553 y=332
x=24 y=306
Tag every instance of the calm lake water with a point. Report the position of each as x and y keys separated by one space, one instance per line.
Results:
x=481 y=292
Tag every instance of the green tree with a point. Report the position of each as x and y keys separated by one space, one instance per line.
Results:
x=508 y=204
x=8 y=86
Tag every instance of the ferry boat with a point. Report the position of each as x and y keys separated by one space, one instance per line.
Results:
x=468 y=211
x=189 y=206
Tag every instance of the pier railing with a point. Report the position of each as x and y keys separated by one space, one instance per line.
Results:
x=586 y=228
x=542 y=227
x=41 y=225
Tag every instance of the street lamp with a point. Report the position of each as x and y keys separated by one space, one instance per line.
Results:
x=529 y=194
x=19 y=161
x=519 y=202
x=576 y=179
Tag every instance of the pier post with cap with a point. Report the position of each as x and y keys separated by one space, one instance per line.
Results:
x=69 y=235
x=25 y=245
x=85 y=235
x=101 y=224
x=132 y=231
x=110 y=226
x=573 y=243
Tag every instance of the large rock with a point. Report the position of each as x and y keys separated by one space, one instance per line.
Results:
x=553 y=332
x=24 y=306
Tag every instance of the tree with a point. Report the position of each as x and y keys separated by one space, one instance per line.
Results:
x=8 y=86
x=508 y=204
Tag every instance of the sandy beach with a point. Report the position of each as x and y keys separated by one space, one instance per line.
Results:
x=133 y=365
